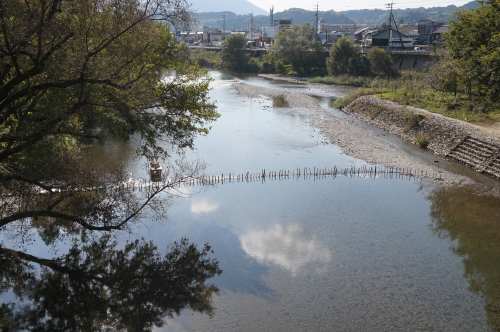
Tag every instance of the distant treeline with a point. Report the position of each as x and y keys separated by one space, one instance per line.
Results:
x=373 y=17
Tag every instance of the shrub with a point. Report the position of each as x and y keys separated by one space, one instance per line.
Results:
x=423 y=141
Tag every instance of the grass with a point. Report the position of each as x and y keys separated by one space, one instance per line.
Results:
x=343 y=102
x=343 y=80
x=412 y=88
x=423 y=141
x=204 y=58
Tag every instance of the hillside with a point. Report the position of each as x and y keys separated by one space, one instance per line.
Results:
x=236 y=20
x=379 y=16
x=239 y=7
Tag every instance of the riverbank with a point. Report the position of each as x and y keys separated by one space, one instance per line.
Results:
x=433 y=131
x=355 y=140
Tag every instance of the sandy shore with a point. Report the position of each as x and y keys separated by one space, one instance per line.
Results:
x=355 y=140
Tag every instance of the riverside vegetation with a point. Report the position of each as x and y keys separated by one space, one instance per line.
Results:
x=463 y=82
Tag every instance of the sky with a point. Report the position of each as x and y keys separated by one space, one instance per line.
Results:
x=281 y=5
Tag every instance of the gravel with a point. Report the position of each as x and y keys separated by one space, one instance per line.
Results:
x=354 y=139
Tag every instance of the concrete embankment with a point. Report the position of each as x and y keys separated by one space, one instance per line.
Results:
x=475 y=146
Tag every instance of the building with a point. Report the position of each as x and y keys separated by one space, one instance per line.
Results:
x=388 y=37
x=425 y=29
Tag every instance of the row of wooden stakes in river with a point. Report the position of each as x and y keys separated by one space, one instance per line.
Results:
x=299 y=173
x=318 y=173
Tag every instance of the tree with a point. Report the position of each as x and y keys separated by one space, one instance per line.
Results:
x=381 y=63
x=297 y=48
x=342 y=55
x=233 y=54
x=447 y=74
x=97 y=287
x=474 y=43
x=79 y=69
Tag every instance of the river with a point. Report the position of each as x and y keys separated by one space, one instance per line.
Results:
x=336 y=254
x=343 y=253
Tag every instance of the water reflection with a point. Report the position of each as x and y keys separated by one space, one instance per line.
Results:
x=203 y=205
x=284 y=246
x=97 y=287
x=472 y=223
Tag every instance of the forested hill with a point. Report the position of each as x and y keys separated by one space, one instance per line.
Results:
x=236 y=6
x=361 y=16
x=378 y=16
x=233 y=21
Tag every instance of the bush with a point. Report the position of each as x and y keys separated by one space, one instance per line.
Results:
x=423 y=141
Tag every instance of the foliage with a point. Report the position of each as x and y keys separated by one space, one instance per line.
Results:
x=184 y=52
x=96 y=286
x=474 y=48
x=296 y=50
x=423 y=141
x=343 y=58
x=343 y=102
x=415 y=88
x=83 y=69
x=204 y=58
x=233 y=54
x=381 y=63
x=357 y=81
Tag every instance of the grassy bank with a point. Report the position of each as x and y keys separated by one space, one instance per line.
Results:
x=415 y=89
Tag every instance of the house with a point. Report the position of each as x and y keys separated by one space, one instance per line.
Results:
x=386 y=37
x=425 y=29
x=437 y=35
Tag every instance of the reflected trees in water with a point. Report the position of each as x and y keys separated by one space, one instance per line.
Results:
x=97 y=286
x=472 y=224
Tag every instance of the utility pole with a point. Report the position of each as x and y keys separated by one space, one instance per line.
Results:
x=391 y=18
x=251 y=26
x=317 y=18
x=224 y=27
x=271 y=17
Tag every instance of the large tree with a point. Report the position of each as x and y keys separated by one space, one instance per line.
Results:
x=342 y=56
x=297 y=47
x=381 y=63
x=233 y=54
x=474 y=45
x=79 y=69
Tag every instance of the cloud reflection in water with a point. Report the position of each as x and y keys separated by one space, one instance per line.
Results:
x=203 y=205
x=284 y=246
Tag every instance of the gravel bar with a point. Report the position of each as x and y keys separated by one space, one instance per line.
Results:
x=354 y=139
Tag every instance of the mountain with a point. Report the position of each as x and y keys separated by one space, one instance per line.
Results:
x=379 y=16
x=241 y=18
x=297 y=15
x=239 y=7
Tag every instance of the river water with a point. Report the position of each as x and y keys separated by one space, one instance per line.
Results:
x=333 y=254
x=343 y=253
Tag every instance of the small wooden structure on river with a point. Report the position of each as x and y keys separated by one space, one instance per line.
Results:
x=155 y=171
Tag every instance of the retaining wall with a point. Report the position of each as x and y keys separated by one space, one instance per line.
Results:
x=443 y=136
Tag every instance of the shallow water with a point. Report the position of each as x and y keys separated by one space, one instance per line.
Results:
x=341 y=253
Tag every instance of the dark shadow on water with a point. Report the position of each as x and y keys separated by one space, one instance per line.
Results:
x=96 y=284
x=280 y=102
